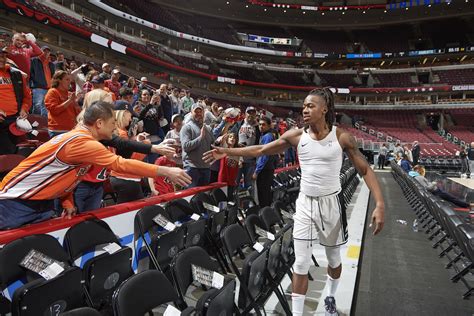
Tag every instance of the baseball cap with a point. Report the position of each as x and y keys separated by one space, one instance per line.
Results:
x=250 y=108
x=143 y=79
x=174 y=117
x=115 y=71
x=45 y=47
x=197 y=105
x=97 y=79
x=121 y=105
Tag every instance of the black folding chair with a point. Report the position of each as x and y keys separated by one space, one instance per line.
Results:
x=106 y=271
x=161 y=245
x=143 y=292
x=82 y=311
x=215 y=223
x=39 y=296
x=219 y=196
x=195 y=230
x=213 y=301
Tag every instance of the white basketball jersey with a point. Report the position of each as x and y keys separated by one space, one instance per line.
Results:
x=320 y=162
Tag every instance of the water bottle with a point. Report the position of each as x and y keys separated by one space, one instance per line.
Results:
x=415 y=225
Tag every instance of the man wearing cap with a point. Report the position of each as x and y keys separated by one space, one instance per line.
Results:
x=249 y=135
x=16 y=102
x=196 y=139
x=106 y=71
x=113 y=83
x=42 y=70
x=98 y=93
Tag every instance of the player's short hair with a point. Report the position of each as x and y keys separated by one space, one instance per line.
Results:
x=98 y=110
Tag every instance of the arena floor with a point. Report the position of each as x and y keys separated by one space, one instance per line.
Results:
x=396 y=269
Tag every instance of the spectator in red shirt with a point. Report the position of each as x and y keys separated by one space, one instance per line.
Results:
x=161 y=185
x=21 y=51
x=229 y=167
x=113 y=83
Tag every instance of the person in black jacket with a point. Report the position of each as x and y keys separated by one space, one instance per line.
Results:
x=415 y=152
x=16 y=102
x=41 y=72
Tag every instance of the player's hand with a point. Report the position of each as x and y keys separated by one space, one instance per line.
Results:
x=254 y=176
x=163 y=150
x=213 y=155
x=377 y=220
x=69 y=212
x=175 y=175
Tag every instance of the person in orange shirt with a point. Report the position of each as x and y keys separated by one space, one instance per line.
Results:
x=53 y=170
x=62 y=105
x=16 y=102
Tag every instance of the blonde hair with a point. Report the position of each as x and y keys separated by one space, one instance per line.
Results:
x=120 y=119
x=420 y=169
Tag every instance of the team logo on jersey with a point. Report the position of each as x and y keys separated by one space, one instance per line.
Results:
x=83 y=171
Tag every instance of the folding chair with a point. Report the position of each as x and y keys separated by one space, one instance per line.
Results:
x=215 y=223
x=181 y=211
x=104 y=272
x=236 y=241
x=160 y=244
x=219 y=196
x=213 y=301
x=143 y=292
x=270 y=218
x=83 y=311
x=38 y=296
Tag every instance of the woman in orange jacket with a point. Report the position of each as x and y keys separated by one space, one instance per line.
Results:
x=62 y=105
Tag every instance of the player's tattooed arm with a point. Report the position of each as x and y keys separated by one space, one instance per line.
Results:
x=349 y=144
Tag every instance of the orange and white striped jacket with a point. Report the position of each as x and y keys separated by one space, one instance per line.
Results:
x=56 y=168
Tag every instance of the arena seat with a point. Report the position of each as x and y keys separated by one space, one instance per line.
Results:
x=82 y=311
x=448 y=231
x=214 y=301
x=143 y=292
x=39 y=295
x=107 y=270
x=161 y=245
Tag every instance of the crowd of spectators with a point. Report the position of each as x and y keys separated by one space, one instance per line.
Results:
x=167 y=127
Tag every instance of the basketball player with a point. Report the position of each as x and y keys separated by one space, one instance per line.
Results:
x=318 y=211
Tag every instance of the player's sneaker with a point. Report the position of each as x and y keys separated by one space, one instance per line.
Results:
x=330 y=305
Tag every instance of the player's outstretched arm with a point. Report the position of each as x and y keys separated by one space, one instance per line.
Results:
x=277 y=146
x=349 y=145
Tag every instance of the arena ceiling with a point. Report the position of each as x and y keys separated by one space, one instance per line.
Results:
x=243 y=10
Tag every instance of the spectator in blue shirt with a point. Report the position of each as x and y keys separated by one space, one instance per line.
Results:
x=405 y=164
x=265 y=165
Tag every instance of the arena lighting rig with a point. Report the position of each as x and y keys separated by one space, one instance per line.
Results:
x=391 y=5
